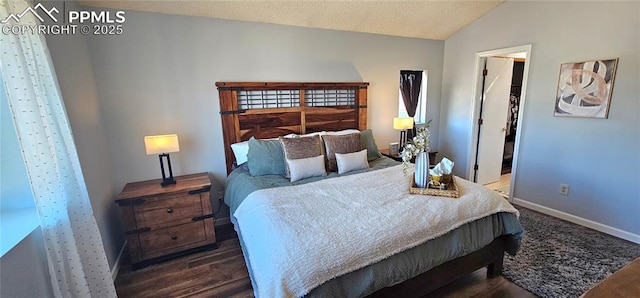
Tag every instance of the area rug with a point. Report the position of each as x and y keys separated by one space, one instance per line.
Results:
x=562 y=259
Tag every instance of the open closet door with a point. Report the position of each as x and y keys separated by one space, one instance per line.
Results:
x=494 y=110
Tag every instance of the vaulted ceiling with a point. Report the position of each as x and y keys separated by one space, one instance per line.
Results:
x=420 y=18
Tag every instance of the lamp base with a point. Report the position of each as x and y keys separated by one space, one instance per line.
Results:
x=403 y=138
x=167 y=182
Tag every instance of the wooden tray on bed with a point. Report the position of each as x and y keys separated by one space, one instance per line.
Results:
x=451 y=191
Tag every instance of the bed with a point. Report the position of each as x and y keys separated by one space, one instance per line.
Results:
x=279 y=221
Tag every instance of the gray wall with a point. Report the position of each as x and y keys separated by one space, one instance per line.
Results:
x=24 y=271
x=70 y=56
x=159 y=76
x=598 y=158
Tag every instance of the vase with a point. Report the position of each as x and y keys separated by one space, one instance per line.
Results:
x=422 y=169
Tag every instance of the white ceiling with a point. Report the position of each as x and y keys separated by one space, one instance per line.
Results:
x=429 y=19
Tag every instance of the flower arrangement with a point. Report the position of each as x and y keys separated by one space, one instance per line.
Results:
x=419 y=143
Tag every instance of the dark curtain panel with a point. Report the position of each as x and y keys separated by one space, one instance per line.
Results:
x=410 y=82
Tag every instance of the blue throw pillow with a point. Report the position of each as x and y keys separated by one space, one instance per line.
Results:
x=366 y=137
x=265 y=157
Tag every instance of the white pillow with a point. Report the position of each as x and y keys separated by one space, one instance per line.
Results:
x=306 y=167
x=352 y=161
x=293 y=135
x=341 y=132
x=240 y=150
x=312 y=134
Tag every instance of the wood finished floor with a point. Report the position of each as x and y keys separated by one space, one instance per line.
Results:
x=222 y=273
x=502 y=186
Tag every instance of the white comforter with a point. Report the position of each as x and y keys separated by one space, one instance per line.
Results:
x=299 y=237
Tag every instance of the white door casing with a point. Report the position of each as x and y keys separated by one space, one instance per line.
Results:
x=494 y=119
x=521 y=51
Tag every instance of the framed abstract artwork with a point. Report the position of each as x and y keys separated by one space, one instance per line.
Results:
x=584 y=88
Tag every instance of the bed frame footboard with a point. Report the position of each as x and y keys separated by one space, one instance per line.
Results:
x=490 y=256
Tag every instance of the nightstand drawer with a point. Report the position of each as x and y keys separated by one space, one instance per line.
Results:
x=160 y=212
x=163 y=241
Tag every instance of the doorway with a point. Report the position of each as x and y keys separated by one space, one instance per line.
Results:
x=497 y=117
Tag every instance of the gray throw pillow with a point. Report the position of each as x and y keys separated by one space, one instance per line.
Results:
x=265 y=157
x=366 y=137
x=339 y=144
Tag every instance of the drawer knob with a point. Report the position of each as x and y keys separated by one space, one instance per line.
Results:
x=174 y=237
x=169 y=210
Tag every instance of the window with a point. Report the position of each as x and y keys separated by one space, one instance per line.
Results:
x=421 y=111
x=17 y=207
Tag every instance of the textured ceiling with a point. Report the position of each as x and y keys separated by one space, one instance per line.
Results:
x=422 y=18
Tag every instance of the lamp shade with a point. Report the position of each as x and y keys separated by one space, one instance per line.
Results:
x=161 y=144
x=402 y=123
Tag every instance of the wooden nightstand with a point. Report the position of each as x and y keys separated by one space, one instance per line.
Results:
x=386 y=153
x=166 y=222
x=397 y=157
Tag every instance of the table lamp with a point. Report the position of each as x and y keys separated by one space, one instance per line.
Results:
x=402 y=124
x=163 y=145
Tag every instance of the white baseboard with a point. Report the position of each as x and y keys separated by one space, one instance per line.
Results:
x=579 y=220
x=116 y=265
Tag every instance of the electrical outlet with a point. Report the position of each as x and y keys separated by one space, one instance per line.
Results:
x=564 y=189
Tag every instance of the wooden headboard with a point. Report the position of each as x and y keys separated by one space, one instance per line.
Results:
x=272 y=109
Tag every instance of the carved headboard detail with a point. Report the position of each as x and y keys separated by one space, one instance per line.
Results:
x=272 y=109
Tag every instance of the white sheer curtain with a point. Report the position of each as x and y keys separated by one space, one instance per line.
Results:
x=77 y=262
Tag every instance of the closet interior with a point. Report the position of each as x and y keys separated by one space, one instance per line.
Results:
x=512 y=118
